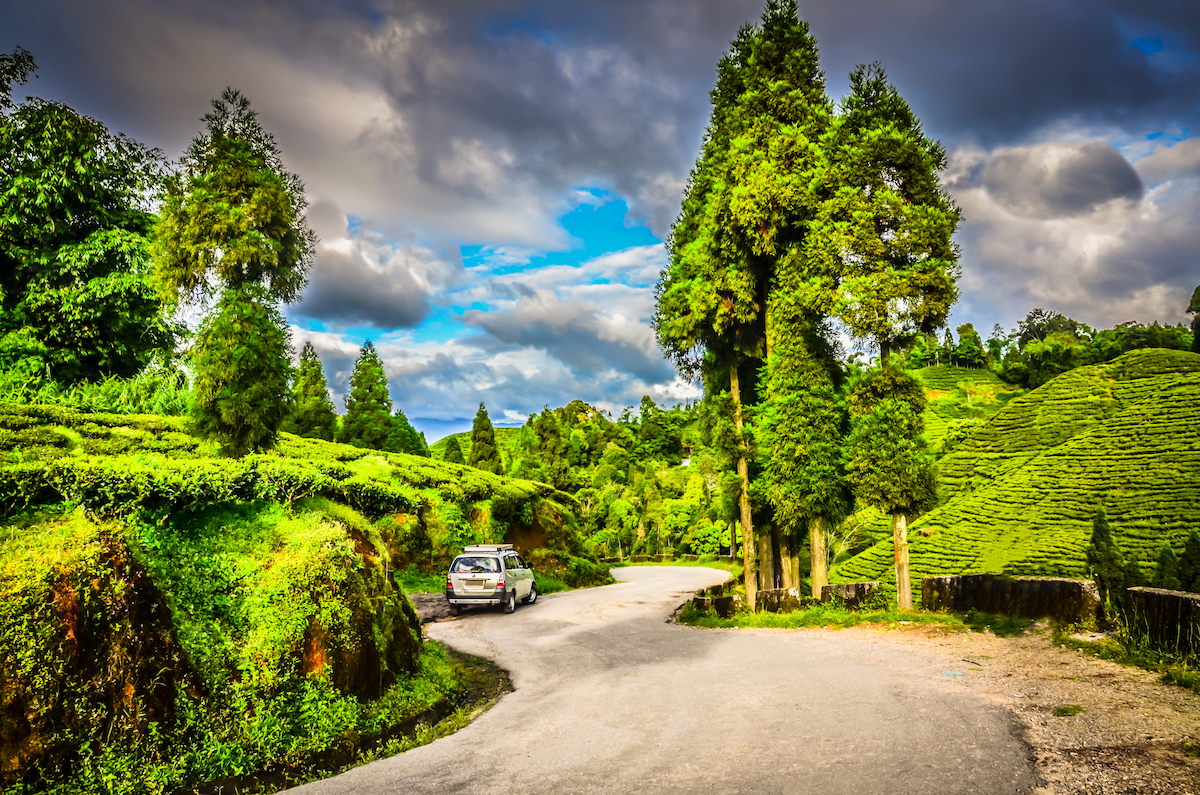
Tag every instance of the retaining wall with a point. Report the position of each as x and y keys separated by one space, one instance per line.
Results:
x=1170 y=618
x=1069 y=601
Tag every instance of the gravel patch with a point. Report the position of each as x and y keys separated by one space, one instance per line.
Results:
x=1128 y=737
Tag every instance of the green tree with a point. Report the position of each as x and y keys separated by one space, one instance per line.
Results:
x=806 y=426
x=1166 y=569
x=368 y=420
x=484 y=453
x=1105 y=562
x=75 y=221
x=453 y=453
x=312 y=413
x=241 y=361
x=742 y=209
x=1194 y=310
x=233 y=220
x=1189 y=563
x=404 y=438
x=234 y=215
x=970 y=347
x=882 y=262
x=888 y=461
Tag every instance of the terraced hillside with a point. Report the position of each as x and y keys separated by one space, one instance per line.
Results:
x=1019 y=493
x=960 y=401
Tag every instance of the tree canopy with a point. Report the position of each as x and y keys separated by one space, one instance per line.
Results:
x=484 y=453
x=75 y=221
x=233 y=214
x=312 y=412
x=368 y=420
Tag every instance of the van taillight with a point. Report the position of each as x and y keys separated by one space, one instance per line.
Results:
x=449 y=583
x=500 y=584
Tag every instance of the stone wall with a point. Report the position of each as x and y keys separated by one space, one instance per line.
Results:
x=1170 y=618
x=777 y=600
x=851 y=594
x=1069 y=601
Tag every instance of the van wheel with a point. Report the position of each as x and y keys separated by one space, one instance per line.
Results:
x=532 y=595
x=455 y=610
x=510 y=602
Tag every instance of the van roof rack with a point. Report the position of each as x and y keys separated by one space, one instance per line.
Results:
x=489 y=548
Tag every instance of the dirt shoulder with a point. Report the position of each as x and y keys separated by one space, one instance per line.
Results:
x=1128 y=738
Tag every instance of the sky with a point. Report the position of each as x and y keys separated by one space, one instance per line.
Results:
x=492 y=182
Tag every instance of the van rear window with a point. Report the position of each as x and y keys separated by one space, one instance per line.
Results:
x=475 y=565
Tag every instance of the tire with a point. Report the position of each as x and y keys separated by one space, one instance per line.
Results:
x=532 y=596
x=455 y=610
x=510 y=602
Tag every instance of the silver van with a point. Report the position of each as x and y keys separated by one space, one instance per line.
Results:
x=489 y=574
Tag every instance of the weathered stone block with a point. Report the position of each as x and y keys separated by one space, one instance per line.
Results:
x=852 y=594
x=1068 y=601
x=1170 y=618
x=725 y=606
x=777 y=600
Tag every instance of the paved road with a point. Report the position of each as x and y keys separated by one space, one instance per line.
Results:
x=611 y=698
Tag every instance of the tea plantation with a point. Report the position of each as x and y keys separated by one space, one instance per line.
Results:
x=1018 y=494
x=169 y=617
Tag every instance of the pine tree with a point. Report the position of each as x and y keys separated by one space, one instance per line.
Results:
x=241 y=360
x=1166 y=571
x=453 y=453
x=233 y=220
x=1194 y=310
x=1189 y=563
x=1105 y=562
x=312 y=414
x=484 y=453
x=744 y=207
x=403 y=437
x=889 y=464
x=882 y=261
x=368 y=420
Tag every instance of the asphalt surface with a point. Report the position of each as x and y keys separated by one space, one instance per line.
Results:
x=611 y=698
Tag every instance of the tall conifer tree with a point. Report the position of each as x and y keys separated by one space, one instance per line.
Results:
x=368 y=420
x=232 y=222
x=484 y=453
x=404 y=438
x=453 y=453
x=881 y=260
x=744 y=206
x=312 y=414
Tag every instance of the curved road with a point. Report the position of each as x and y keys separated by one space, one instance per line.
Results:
x=611 y=698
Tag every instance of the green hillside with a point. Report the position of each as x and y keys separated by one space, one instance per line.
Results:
x=169 y=617
x=1019 y=493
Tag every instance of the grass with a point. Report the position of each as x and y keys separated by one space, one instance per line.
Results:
x=1018 y=495
x=1173 y=668
x=1067 y=710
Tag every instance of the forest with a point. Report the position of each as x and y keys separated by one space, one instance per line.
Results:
x=205 y=562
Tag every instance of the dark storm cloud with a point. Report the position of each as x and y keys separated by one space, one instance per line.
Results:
x=576 y=333
x=501 y=106
x=343 y=289
x=1061 y=180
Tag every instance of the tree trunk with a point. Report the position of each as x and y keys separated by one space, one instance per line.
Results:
x=766 y=560
x=791 y=563
x=900 y=540
x=778 y=557
x=733 y=540
x=743 y=468
x=816 y=551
